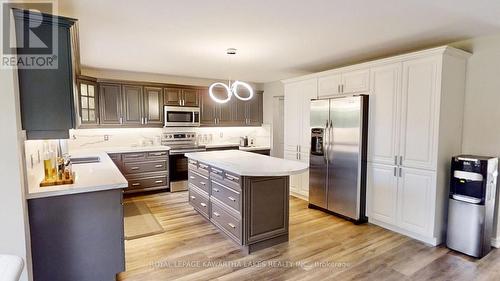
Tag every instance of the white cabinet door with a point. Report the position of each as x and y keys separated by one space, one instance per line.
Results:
x=290 y=155
x=356 y=81
x=382 y=191
x=329 y=85
x=304 y=184
x=420 y=112
x=383 y=128
x=309 y=91
x=291 y=117
x=416 y=200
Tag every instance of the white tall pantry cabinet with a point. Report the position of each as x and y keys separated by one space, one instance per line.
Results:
x=415 y=127
x=296 y=134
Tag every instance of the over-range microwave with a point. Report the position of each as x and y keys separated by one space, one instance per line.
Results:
x=176 y=116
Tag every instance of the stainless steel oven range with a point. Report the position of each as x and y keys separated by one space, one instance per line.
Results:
x=180 y=143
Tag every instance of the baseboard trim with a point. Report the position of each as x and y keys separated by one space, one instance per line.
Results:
x=428 y=240
x=495 y=242
x=300 y=196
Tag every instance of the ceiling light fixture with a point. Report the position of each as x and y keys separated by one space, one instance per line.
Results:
x=231 y=88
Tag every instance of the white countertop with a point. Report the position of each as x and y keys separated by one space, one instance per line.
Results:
x=89 y=177
x=249 y=164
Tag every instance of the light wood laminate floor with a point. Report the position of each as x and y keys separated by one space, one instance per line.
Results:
x=321 y=247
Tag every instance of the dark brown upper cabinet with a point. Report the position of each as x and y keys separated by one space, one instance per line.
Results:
x=153 y=106
x=132 y=113
x=233 y=113
x=182 y=97
x=190 y=97
x=254 y=110
x=208 y=110
x=88 y=102
x=47 y=95
x=110 y=104
x=173 y=96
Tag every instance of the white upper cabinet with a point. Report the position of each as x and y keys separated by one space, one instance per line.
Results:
x=420 y=112
x=356 y=81
x=329 y=85
x=291 y=117
x=417 y=200
x=383 y=133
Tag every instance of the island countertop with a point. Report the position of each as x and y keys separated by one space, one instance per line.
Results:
x=249 y=164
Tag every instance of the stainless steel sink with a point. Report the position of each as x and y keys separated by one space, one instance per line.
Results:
x=85 y=160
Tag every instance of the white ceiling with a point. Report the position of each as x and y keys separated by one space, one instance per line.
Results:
x=275 y=39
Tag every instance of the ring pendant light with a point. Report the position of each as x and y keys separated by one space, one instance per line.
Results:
x=231 y=89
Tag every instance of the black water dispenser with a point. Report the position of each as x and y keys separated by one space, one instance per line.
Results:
x=472 y=204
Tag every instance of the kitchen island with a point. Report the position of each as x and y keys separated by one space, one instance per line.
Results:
x=244 y=194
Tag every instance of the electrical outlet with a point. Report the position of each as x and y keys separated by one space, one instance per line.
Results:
x=106 y=137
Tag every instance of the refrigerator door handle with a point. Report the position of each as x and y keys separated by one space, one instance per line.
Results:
x=325 y=142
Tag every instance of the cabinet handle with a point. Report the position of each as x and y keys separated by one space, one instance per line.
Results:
x=395 y=172
x=158 y=153
x=231 y=198
x=192 y=197
x=216 y=214
x=215 y=171
x=180 y=102
x=158 y=181
x=121 y=120
x=401 y=160
x=203 y=183
x=338 y=88
x=395 y=160
x=231 y=178
x=191 y=177
x=134 y=168
x=203 y=205
x=145 y=120
x=192 y=162
x=136 y=184
x=231 y=225
x=400 y=172
x=134 y=155
x=203 y=166
x=215 y=189
x=159 y=166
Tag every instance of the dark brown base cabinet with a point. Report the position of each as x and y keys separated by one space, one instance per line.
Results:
x=78 y=236
x=252 y=211
x=143 y=170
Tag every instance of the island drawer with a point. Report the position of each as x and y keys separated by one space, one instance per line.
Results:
x=157 y=155
x=203 y=169
x=142 y=167
x=198 y=201
x=228 y=196
x=131 y=157
x=148 y=182
x=225 y=178
x=229 y=223
x=199 y=181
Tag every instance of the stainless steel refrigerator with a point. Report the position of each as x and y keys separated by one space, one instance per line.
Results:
x=337 y=169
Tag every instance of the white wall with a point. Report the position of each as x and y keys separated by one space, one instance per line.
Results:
x=481 y=133
x=14 y=237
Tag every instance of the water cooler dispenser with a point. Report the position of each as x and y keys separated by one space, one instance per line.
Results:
x=472 y=204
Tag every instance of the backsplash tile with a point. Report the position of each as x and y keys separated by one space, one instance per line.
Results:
x=126 y=137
